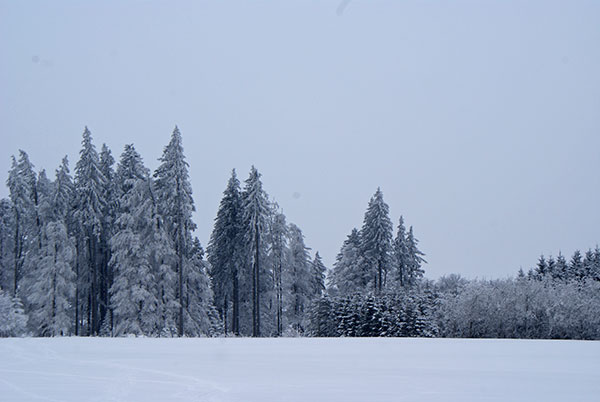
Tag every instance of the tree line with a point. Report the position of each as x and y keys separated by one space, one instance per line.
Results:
x=110 y=251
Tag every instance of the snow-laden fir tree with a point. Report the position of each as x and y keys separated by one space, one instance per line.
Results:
x=88 y=213
x=21 y=184
x=375 y=242
x=256 y=209
x=278 y=257
x=63 y=193
x=51 y=290
x=415 y=259
x=134 y=292
x=400 y=256
x=297 y=280
x=174 y=194
x=201 y=317
x=6 y=243
x=108 y=218
x=347 y=277
x=225 y=251
x=317 y=276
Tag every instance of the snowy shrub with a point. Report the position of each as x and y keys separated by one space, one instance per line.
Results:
x=13 y=320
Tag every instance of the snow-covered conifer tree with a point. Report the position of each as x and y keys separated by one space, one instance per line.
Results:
x=317 y=276
x=174 y=194
x=375 y=242
x=89 y=207
x=255 y=206
x=278 y=256
x=201 y=317
x=225 y=251
x=346 y=276
x=297 y=280
x=51 y=287
x=415 y=258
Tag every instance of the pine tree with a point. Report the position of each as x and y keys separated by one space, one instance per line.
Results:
x=415 y=259
x=108 y=224
x=541 y=268
x=176 y=205
x=89 y=207
x=134 y=294
x=375 y=242
x=317 y=276
x=63 y=194
x=278 y=256
x=225 y=253
x=52 y=288
x=255 y=212
x=400 y=256
x=297 y=279
x=576 y=266
x=200 y=314
x=347 y=277
x=7 y=224
x=21 y=183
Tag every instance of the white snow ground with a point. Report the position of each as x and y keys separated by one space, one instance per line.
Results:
x=281 y=370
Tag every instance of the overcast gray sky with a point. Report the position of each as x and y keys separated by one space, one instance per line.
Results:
x=480 y=120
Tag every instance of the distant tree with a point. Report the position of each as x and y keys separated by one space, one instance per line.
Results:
x=400 y=254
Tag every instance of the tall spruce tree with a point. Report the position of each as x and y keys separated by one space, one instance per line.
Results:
x=415 y=258
x=297 y=279
x=317 y=276
x=201 y=317
x=176 y=205
x=51 y=289
x=375 y=242
x=400 y=256
x=255 y=212
x=108 y=223
x=346 y=276
x=225 y=251
x=134 y=294
x=278 y=257
x=89 y=207
x=21 y=184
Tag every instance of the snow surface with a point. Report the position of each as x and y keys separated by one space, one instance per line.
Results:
x=286 y=369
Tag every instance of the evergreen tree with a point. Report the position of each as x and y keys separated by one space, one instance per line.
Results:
x=13 y=320
x=375 y=242
x=400 y=255
x=63 y=194
x=317 y=277
x=89 y=207
x=255 y=212
x=7 y=224
x=201 y=317
x=297 y=279
x=134 y=294
x=21 y=183
x=278 y=255
x=51 y=289
x=108 y=223
x=576 y=270
x=347 y=277
x=176 y=205
x=224 y=255
x=415 y=259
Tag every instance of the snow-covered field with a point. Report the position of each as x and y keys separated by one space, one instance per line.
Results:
x=279 y=370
